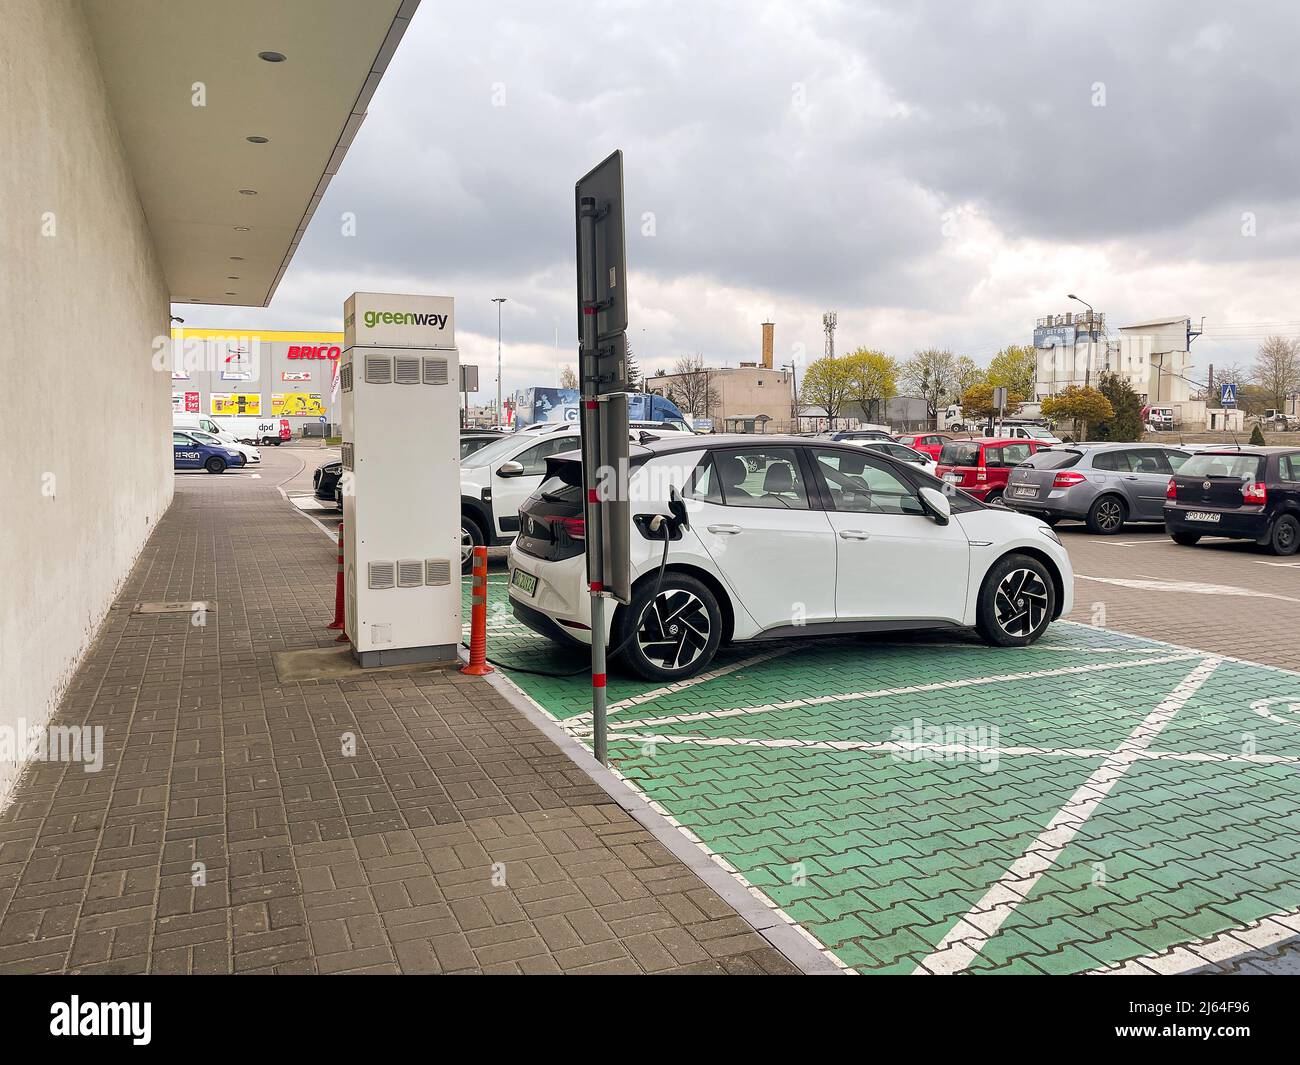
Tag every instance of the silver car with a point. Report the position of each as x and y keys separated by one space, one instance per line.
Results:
x=1102 y=484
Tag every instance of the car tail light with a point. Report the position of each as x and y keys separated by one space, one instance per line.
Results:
x=1171 y=489
x=1067 y=479
x=1255 y=493
x=980 y=475
x=575 y=528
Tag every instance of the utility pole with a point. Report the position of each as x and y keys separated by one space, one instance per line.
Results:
x=829 y=320
x=794 y=385
x=498 y=300
x=1087 y=368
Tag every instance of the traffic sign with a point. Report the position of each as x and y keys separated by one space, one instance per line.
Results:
x=602 y=282
x=1228 y=394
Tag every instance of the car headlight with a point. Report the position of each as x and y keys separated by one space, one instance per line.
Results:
x=1050 y=533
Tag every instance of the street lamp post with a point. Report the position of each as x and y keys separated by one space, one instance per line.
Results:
x=1087 y=369
x=498 y=300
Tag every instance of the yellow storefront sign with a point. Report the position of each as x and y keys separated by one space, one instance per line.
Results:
x=297 y=405
x=233 y=404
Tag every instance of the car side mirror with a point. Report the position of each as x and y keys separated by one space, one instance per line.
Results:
x=510 y=469
x=677 y=508
x=936 y=505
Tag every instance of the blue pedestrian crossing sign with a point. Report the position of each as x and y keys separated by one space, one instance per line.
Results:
x=1227 y=394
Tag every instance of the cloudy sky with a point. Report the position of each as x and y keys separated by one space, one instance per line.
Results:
x=940 y=174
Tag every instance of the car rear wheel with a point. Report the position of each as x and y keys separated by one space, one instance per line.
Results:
x=1016 y=603
x=1187 y=539
x=471 y=536
x=670 y=632
x=215 y=464
x=994 y=499
x=1107 y=515
x=1285 y=537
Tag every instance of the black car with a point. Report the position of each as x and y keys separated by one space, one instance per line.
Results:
x=473 y=439
x=1248 y=493
x=326 y=479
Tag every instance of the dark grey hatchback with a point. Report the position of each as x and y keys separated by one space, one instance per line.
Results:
x=1251 y=493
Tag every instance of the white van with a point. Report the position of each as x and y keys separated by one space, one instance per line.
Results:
x=205 y=424
x=246 y=429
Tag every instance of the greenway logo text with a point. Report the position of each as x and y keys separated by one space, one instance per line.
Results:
x=75 y=1017
x=374 y=318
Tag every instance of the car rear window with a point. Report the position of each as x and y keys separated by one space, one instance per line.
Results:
x=1238 y=467
x=1053 y=459
x=960 y=453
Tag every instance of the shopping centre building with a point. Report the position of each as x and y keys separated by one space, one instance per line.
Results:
x=158 y=153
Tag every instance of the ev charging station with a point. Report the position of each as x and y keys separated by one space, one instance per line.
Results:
x=399 y=379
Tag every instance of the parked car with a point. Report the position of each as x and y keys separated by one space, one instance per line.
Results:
x=496 y=479
x=858 y=436
x=1249 y=493
x=926 y=443
x=786 y=537
x=1039 y=433
x=472 y=440
x=326 y=479
x=191 y=454
x=981 y=467
x=1103 y=484
x=251 y=454
x=902 y=452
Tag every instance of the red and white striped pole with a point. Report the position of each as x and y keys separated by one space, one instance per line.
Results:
x=478 y=666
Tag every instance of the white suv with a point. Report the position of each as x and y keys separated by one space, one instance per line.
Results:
x=787 y=537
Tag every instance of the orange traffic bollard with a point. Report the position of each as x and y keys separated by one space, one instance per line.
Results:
x=338 y=622
x=478 y=666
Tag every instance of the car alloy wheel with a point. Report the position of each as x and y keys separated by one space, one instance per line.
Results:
x=1021 y=602
x=674 y=629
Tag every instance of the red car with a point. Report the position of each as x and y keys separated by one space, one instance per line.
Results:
x=981 y=467
x=926 y=443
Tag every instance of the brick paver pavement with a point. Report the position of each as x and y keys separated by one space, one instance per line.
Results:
x=228 y=830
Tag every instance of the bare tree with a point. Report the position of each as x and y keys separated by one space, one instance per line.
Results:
x=1277 y=369
x=691 y=389
x=930 y=375
x=568 y=377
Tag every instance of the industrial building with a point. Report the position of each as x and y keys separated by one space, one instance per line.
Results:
x=752 y=397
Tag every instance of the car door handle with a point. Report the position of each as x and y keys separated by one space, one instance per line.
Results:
x=1130 y=477
x=730 y=529
x=853 y=534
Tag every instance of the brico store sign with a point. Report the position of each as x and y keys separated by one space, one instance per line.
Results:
x=314 y=351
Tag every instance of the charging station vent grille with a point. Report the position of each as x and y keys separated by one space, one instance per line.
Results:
x=347 y=455
x=345 y=377
x=381 y=575
x=437 y=572
x=406 y=369
x=379 y=370
x=410 y=573
x=435 y=371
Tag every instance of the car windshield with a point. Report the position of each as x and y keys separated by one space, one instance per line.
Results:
x=497 y=449
x=960 y=453
x=1239 y=467
x=1055 y=459
x=1039 y=433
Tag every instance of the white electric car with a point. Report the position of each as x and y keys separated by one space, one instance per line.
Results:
x=786 y=537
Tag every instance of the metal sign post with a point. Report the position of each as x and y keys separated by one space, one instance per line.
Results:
x=602 y=362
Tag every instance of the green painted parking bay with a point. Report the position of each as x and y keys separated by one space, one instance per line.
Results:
x=932 y=804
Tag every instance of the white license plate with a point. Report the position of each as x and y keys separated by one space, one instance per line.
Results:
x=1025 y=490
x=952 y=478
x=1202 y=515
x=525 y=582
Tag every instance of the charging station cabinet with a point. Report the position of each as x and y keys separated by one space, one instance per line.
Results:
x=399 y=375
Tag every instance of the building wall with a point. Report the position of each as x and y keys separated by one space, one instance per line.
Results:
x=740 y=391
x=87 y=460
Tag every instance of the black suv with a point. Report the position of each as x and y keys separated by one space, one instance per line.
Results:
x=1249 y=493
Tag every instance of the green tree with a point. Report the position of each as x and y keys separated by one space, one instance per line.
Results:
x=1081 y=405
x=1257 y=436
x=965 y=373
x=828 y=383
x=1014 y=368
x=873 y=380
x=929 y=375
x=977 y=401
x=1126 y=425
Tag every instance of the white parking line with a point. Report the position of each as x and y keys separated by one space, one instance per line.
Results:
x=1256 y=936
x=963 y=942
x=1160 y=584
x=911 y=689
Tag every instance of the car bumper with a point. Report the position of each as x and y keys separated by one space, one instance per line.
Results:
x=560 y=605
x=1238 y=524
x=1054 y=503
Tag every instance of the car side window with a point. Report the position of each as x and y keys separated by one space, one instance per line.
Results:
x=859 y=485
x=1151 y=460
x=761 y=478
x=533 y=460
x=1007 y=455
x=181 y=438
x=704 y=484
x=1111 y=461
x=1289 y=467
x=1176 y=459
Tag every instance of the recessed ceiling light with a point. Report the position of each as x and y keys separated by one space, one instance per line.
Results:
x=248 y=192
x=271 y=57
x=257 y=140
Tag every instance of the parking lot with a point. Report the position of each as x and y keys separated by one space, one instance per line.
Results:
x=1122 y=789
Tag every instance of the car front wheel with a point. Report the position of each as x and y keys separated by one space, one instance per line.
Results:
x=471 y=536
x=1285 y=537
x=216 y=464
x=670 y=632
x=1016 y=603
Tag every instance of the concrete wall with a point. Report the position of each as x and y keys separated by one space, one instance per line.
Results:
x=86 y=464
